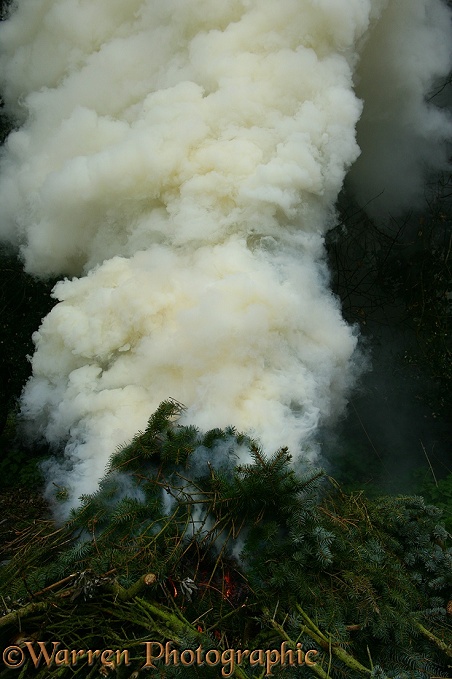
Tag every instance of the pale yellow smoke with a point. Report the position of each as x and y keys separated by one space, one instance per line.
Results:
x=182 y=160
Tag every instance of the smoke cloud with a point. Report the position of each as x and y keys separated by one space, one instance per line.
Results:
x=401 y=133
x=179 y=162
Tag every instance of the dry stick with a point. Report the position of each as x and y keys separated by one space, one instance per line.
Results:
x=219 y=556
x=447 y=648
x=67 y=579
x=56 y=584
x=15 y=616
x=34 y=606
x=201 y=616
x=223 y=618
x=429 y=463
x=368 y=437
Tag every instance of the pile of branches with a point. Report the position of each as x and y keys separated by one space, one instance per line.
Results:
x=184 y=557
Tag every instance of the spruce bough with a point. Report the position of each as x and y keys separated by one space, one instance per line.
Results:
x=183 y=544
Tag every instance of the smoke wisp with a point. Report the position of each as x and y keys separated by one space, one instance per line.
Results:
x=179 y=162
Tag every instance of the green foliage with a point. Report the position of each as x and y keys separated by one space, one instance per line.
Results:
x=17 y=468
x=364 y=582
x=438 y=493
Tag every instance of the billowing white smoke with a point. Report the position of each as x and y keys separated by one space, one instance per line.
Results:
x=182 y=159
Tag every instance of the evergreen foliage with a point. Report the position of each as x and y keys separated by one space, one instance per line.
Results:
x=203 y=540
x=438 y=493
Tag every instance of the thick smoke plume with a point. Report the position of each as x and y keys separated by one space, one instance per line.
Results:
x=180 y=161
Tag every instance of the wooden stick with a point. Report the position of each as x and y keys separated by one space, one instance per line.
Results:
x=123 y=594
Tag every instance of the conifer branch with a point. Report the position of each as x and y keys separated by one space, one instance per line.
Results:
x=342 y=554
x=319 y=638
x=134 y=590
x=29 y=609
x=314 y=632
x=447 y=648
